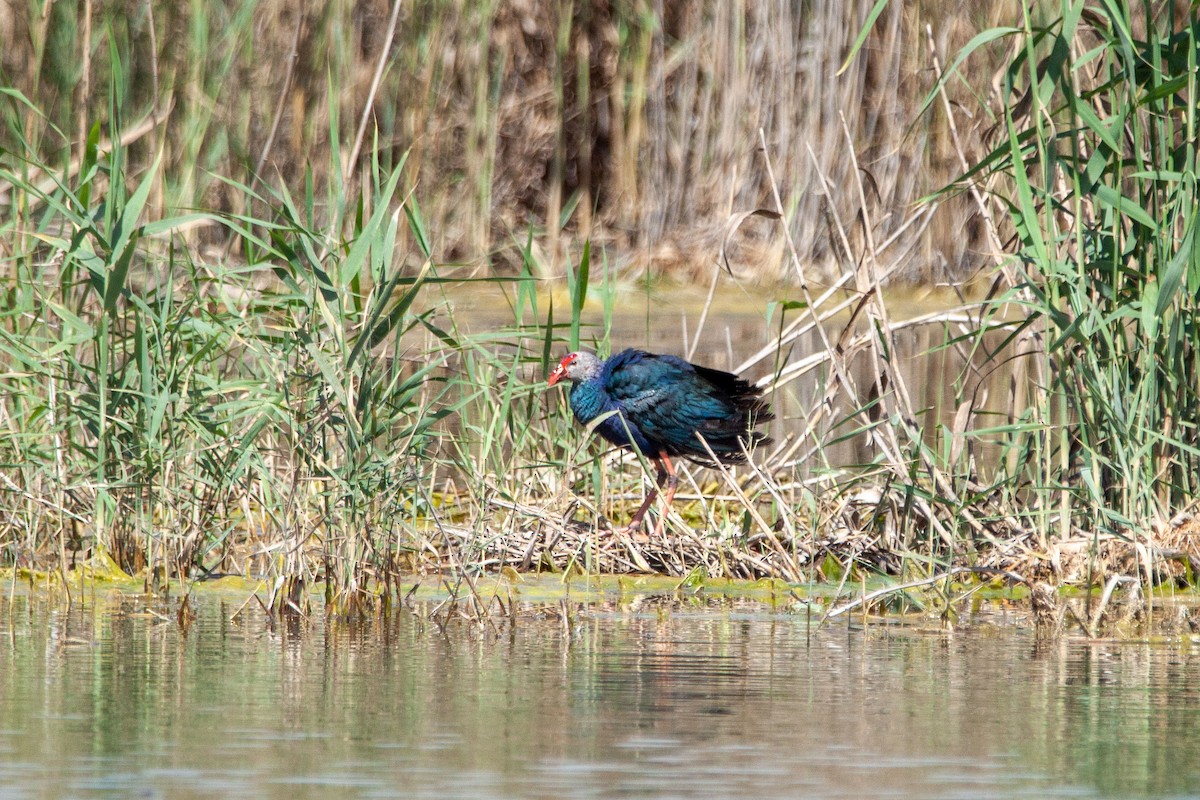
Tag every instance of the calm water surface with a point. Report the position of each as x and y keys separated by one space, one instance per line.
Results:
x=722 y=700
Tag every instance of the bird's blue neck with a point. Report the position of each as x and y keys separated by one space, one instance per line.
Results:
x=588 y=401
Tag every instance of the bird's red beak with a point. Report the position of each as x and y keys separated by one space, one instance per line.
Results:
x=560 y=372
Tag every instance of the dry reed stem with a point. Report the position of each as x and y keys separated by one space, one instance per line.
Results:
x=289 y=76
x=752 y=509
x=85 y=78
x=1093 y=625
x=369 y=104
x=45 y=186
x=985 y=211
x=834 y=361
x=943 y=576
x=887 y=441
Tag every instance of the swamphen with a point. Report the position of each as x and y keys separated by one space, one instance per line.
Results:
x=662 y=405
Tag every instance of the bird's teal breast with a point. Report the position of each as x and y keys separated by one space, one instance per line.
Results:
x=587 y=403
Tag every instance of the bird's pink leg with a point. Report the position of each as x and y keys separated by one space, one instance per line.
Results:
x=636 y=520
x=672 y=483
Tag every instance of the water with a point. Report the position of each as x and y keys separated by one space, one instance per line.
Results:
x=720 y=700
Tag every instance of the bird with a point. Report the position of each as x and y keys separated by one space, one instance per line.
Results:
x=663 y=406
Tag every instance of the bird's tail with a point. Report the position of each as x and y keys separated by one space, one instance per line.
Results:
x=733 y=434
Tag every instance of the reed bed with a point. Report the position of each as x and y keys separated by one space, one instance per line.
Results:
x=247 y=358
x=632 y=125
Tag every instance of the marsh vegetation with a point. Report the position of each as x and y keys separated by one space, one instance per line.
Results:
x=235 y=238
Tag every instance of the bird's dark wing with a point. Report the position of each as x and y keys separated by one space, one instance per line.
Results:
x=669 y=400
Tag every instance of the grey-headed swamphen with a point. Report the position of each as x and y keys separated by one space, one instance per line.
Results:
x=662 y=405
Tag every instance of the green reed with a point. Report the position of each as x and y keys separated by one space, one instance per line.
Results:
x=1095 y=164
x=212 y=368
x=173 y=410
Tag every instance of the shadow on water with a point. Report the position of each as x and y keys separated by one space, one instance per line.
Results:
x=716 y=700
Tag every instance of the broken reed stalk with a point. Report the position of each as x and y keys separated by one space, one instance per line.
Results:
x=1093 y=626
x=942 y=576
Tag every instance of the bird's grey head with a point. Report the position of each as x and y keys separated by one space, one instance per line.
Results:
x=575 y=367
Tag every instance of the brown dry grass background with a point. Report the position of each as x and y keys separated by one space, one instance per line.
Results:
x=633 y=123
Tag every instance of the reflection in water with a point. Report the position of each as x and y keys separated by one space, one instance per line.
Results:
x=723 y=701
